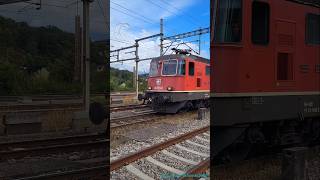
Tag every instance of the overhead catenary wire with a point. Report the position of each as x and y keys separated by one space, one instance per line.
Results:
x=180 y=10
x=142 y=19
x=166 y=9
x=135 y=14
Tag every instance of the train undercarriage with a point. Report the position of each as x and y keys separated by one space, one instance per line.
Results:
x=173 y=102
x=252 y=126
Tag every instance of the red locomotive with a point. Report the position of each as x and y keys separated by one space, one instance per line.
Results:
x=266 y=73
x=177 y=82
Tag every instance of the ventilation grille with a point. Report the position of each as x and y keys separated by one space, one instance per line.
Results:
x=285 y=40
x=304 y=68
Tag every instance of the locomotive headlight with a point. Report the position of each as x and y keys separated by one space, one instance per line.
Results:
x=169 y=88
x=149 y=88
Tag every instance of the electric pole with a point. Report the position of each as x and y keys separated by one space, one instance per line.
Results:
x=199 y=43
x=161 y=37
x=137 y=75
x=86 y=52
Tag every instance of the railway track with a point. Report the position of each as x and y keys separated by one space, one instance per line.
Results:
x=46 y=97
x=41 y=102
x=39 y=107
x=44 y=147
x=189 y=152
x=90 y=173
x=131 y=120
x=132 y=114
x=137 y=117
x=127 y=107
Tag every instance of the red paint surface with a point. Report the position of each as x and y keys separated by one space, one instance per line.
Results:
x=245 y=67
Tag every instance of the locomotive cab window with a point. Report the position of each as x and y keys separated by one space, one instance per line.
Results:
x=191 y=68
x=207 y=70
x=313 y=29
x=182 y=67
x=228 y=26
x=260 y=23
x=169 y=67
x=154 y=68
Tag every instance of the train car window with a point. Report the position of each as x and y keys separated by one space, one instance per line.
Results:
x=182 y=67
x=313 y=29
x=284 y=66
x=191 y=68
x=207 y=70
x=228 y=27
x=260 y=23
x=169 y=67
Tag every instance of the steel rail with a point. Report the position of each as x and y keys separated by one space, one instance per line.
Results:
x=128 y=107
x=97 y=172
x=40 y=151
x=139 y=114
x=51 y=141
x=118 y=124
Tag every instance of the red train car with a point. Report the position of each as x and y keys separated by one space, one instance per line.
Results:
x=266 y=71
x=176 y=82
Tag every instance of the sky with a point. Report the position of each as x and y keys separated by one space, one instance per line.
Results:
x=59 y=13
x=130 y=20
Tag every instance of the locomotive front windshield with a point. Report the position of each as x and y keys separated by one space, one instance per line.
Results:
x=228 y=21
x=154 y=68
x=169 y=67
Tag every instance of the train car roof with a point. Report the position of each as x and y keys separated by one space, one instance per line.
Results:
x=175 y=56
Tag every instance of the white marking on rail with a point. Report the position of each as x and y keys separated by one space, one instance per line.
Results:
x=138 y=173
x=192 y=151
x=179 y=157
x=164 y=166
x=196 y=144
x=202 y=139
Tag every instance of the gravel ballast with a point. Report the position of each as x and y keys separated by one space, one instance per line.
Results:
x=133 y=145
x=182 y=126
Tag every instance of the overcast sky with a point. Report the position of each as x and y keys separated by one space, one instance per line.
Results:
x=139 y=18
x=59 y=13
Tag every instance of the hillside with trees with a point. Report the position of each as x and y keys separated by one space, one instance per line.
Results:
x=40 y=60
x=122 y=80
